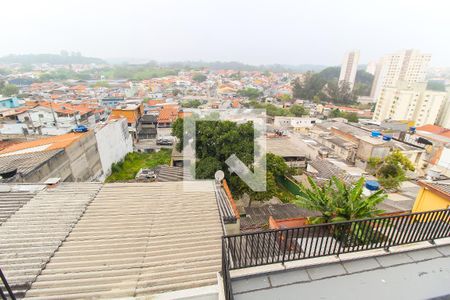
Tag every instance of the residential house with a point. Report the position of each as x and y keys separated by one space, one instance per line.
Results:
x=433 y=195
x=167 y=115
x=132 y=112
x=9 y=102
x=294 y=123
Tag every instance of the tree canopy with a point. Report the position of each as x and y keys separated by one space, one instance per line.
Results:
x=9 y=90
x=324 y=86
x=350 y=116
x=199 y=77
x=391 y=170
x=250 y=93
x=217 y=141
x=338 y=201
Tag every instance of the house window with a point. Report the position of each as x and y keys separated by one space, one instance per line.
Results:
x=41 y=115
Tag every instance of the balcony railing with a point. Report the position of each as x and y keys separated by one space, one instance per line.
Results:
x=4 y=285
x=282 y=245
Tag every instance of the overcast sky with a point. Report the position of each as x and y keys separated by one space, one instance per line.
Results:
x=249 y=31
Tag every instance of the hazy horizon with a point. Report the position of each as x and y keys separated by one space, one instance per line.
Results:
x=251 y=32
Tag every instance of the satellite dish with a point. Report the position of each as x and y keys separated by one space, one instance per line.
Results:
x=219 y=175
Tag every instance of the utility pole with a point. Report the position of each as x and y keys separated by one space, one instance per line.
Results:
x=53 y=113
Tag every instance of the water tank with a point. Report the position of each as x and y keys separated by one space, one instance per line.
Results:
x=412 y=129
x=372 y=185
x=375 y=134
x=387 y=138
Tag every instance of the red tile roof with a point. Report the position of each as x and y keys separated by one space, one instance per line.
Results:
x=435 y=129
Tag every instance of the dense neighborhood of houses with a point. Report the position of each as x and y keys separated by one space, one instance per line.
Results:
x=70 y=230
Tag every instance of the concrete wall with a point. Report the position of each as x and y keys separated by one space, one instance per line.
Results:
x=57 y=166
x=113 y=142
x=84 y=158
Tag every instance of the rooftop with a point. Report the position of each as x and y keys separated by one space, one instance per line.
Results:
x=113 y=240
x=44 y=144
x=26 y=162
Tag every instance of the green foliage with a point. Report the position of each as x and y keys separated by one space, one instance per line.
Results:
x=350 y=116
x=298 y=110
x=9 y=90
x=134 y=161
x=217 y=141
x=191 y=104
x=324 y=86
x=390 y=171
x=250 y=93
x=436 y=85
x=285 y=98
x=337 y=201
x=207 y=167
x=236 y=76
x=64 y=74
x=4 y=71
x=199 y=77
x=311 y=86
x=140 y=72
x=102 y=83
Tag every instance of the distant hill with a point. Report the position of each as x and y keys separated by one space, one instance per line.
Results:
x=238 y=66
x=54 y=59
x=332 y=73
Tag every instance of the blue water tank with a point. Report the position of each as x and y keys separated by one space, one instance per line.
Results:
x=372 y=185
x=412 y=129
x=387 y=137
x=375 y=134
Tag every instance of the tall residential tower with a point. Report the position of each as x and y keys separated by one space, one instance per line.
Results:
x=407 y=66
x=349 y=68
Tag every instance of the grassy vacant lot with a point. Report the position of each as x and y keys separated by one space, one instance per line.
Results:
x=134 y=161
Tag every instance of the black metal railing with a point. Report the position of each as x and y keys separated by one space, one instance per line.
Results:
x=4 y=284
x=228 y=289
x=282 y=245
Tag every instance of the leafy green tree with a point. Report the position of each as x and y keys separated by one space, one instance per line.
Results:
x=285 y=98
x=176 y=92
x=216 y=141
x=207 y=167
x=250 y=93
x=351 y=117
x=9 y=90
x=337 y=201
x=199 y=77
x=436 y=85
x=390 y=171
x=324 y=86
x=191 y=103
x=298 y=110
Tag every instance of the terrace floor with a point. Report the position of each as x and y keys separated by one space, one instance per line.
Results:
x=422 y=273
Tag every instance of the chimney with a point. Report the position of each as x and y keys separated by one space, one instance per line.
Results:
x=52 y=182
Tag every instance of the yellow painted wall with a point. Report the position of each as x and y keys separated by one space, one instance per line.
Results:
x=427 y=200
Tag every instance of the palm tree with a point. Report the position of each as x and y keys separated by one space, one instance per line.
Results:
x=338 y=201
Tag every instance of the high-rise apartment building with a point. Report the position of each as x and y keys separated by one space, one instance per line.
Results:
x=409 y=101
x=371 y=67
x=349 y=68
x=408 y=66
x=444 y=114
